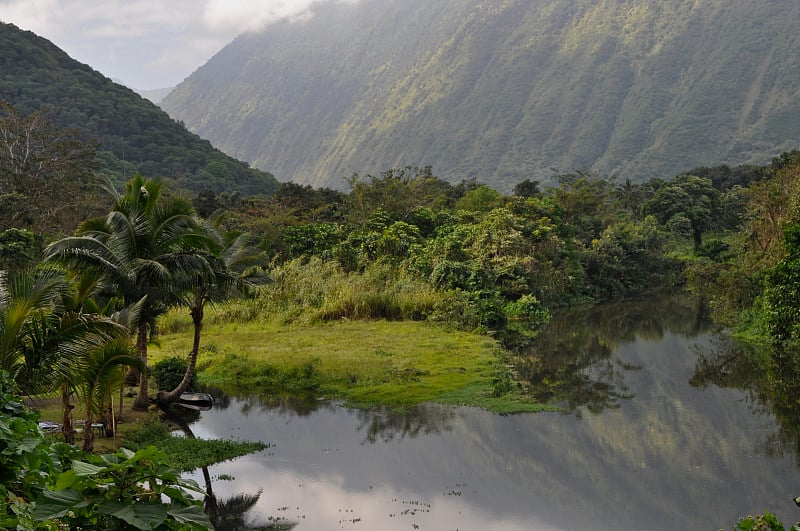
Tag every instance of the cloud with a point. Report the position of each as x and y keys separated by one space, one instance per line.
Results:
x=148 y=43
x=251 y=15
x=34 y=15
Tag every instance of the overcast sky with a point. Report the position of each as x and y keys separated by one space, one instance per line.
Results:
x=146 y=43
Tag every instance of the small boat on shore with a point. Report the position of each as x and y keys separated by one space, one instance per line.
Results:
x=196 y=401
x=49 y=427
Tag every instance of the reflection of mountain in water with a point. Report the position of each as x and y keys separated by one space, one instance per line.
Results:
x=675 y=456
x=573 y=363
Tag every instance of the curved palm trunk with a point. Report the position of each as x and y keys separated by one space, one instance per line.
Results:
x=142 y=402
x=167 y=398
x=210 y=500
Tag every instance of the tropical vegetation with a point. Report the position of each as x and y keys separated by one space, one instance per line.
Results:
x=407 y=251
x=47 y=485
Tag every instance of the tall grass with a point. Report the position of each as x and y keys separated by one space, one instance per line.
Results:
x=320 y=291
x=380 y=292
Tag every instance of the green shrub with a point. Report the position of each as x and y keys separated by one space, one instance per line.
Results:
x=169 y=372
x=117 y=491
x=271 y=379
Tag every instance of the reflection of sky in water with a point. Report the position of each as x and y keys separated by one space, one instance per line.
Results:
x=673 y=457
x=324 y=503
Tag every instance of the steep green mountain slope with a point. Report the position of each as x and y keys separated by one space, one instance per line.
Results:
x=134 y=134
x=504 y=90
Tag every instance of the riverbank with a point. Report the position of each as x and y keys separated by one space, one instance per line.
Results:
x=364 y=363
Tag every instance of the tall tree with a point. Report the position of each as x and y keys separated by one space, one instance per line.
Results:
x=46 y=173
x=690 y=197
x=232 y=269
x=139 y=249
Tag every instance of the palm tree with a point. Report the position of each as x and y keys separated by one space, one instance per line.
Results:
x=25 y=296
x=232 y=270
x=97 y=330
x=50 y=328
x=139 y=249
x=100 y=372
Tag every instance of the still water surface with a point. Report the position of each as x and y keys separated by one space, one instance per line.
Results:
x=638 y=447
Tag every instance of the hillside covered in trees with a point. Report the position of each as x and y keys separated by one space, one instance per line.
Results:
x=504 y=90
x=131 y=134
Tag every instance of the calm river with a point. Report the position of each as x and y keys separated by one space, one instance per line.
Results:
x=642 y=444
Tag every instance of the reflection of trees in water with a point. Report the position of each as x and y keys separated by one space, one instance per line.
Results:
x=649 y=320
x=229 y=514
x=573 y=374
x=387 y=424
x=300 y=406
x=769 y=376
x=572 y=364
x=725 y=364
x=252 y=401
x=783 y=380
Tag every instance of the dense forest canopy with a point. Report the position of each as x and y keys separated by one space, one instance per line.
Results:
x=504 y=91
x=132 y=134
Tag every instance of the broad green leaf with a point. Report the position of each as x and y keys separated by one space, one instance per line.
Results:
x=55 y=504
x=82 y=468
x=29 y=444
x=144 y=453
x=66 y=479
x=174 y=493
x=142 y=515
x=127 y=453
x=193 y=514
x=190 y=484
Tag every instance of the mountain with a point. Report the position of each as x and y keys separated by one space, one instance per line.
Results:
x=504 y=90
x=133 y=134
x=155 y=95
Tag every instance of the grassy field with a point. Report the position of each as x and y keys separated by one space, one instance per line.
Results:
x=362 y=362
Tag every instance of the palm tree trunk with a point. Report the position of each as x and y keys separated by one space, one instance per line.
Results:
x=142 y=402
x=167 y=398
x=121 y=399
x=88 y=433
x=107 y=418
x=67 y=429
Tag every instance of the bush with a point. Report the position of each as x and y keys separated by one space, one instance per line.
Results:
x=169 y=372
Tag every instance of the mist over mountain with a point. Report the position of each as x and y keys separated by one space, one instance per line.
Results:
x=154 y=95
x=504 y=90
